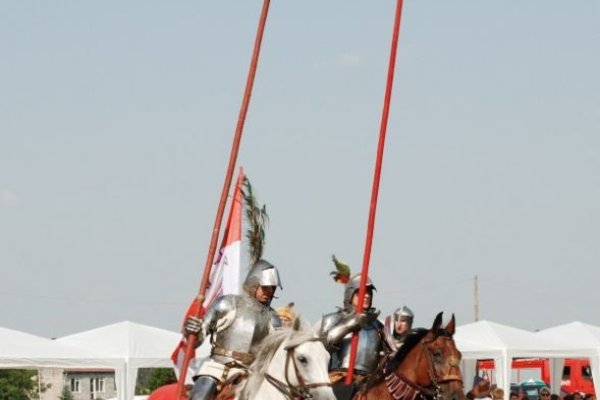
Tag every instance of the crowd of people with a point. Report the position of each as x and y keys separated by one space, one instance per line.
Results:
x=544 y=393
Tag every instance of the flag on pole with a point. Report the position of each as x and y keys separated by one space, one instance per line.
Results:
x=225 y=273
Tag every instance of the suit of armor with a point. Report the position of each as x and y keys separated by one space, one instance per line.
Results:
x=335 y=331
x=236 y=324
x=402 y=314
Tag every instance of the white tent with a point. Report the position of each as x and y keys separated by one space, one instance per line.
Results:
x=485 y=339
x=23 y=350
x=139 y=346
x=583 y=340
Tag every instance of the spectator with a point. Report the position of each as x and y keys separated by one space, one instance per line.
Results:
x=554 y=396
x=590 y=397
x=287 y=315
x=514 y=396
x=498 y=394
x=544 y=393
x=577 y=396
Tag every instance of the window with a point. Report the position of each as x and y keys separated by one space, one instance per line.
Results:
x=75 y=385
x=97 y=385
x=586 y=373
x=566 y=373
x=100 y=385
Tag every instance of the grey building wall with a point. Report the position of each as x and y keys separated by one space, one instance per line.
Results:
x=87 y=379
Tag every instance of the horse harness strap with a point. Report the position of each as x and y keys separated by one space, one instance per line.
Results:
x=401 y=388
x=244 y=358
x=302 y=391
x=436 y=380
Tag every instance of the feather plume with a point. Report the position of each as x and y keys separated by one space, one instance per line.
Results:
x=257 y=220
x=342 y=271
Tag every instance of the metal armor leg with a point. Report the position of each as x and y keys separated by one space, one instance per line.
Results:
x=205 y=388
x=343 y=391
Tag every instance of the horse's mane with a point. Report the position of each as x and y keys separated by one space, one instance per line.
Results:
x=266 y=351
x=414 y=336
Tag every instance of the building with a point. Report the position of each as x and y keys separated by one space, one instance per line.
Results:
x=83 y=383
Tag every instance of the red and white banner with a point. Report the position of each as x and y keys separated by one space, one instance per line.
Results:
x=225 y=273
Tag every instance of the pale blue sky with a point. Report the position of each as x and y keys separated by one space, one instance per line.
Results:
x=116 y=120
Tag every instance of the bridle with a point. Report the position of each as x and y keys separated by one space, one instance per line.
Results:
x=400 y=387
x=302 y=389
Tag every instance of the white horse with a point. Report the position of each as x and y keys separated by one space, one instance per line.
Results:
x=291 y=364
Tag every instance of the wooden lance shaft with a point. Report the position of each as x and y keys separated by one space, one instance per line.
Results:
x=191 y=339
x=375 y=191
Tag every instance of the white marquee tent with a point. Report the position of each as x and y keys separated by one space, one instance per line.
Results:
x=490 y=340
x=583 y=339
x=23 y=350
x=139 y=346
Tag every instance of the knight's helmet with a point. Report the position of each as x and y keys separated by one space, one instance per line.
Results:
x=352 y=286
x=262 y=273
x=405 y=314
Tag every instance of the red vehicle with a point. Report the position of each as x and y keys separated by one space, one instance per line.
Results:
x=577 y=373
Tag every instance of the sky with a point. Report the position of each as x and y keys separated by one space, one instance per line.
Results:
x=117 y=118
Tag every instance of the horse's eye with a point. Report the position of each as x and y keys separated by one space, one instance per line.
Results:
x=302 y=360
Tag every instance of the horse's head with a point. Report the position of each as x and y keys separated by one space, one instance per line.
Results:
x=307 y=363
x=443 y=360
x=291 y=363
x=427 y=365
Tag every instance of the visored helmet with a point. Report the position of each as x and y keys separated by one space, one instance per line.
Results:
x=404 y=313
x=352 y=286
x=263 y=273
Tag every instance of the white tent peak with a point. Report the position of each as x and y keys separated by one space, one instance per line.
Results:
x=126 y=339
x=20 y=349
x=139 y=346
x=587 y=336
x=494 y=334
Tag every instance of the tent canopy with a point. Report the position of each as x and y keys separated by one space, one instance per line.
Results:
x=23 y=350
x=577 y=336
x=485 y=339
x=140 y=346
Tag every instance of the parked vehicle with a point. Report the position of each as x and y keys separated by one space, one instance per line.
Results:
x=577 y=373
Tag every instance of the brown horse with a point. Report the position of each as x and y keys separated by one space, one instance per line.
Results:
x=425 y=367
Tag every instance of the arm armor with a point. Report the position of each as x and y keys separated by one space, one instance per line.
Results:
x=335 y=326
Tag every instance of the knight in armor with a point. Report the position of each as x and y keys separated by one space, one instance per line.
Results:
x=403 y=320
x=236 y=324
x=335 y=331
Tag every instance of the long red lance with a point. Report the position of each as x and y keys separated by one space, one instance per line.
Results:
x=191 y=340
x=375 y=191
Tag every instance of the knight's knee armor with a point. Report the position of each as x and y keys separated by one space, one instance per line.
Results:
x=205 y=388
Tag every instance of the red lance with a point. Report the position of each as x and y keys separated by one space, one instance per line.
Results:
x=375 y=190
x=191 y=340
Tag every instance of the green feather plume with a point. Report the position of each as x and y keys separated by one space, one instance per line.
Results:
x=257 y=220
x=342 y=271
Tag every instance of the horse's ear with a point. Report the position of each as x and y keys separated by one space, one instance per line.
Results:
x=296 y=324
x=437 y=323
x=451 y=327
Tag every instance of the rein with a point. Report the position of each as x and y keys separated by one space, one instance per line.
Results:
x=400 y=387
x=300 y=391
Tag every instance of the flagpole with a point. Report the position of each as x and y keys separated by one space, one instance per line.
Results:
x=191 y=340
x=375 y=190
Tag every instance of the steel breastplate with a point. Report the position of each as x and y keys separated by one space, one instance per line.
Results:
x=367 y=354
x=252 y=323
